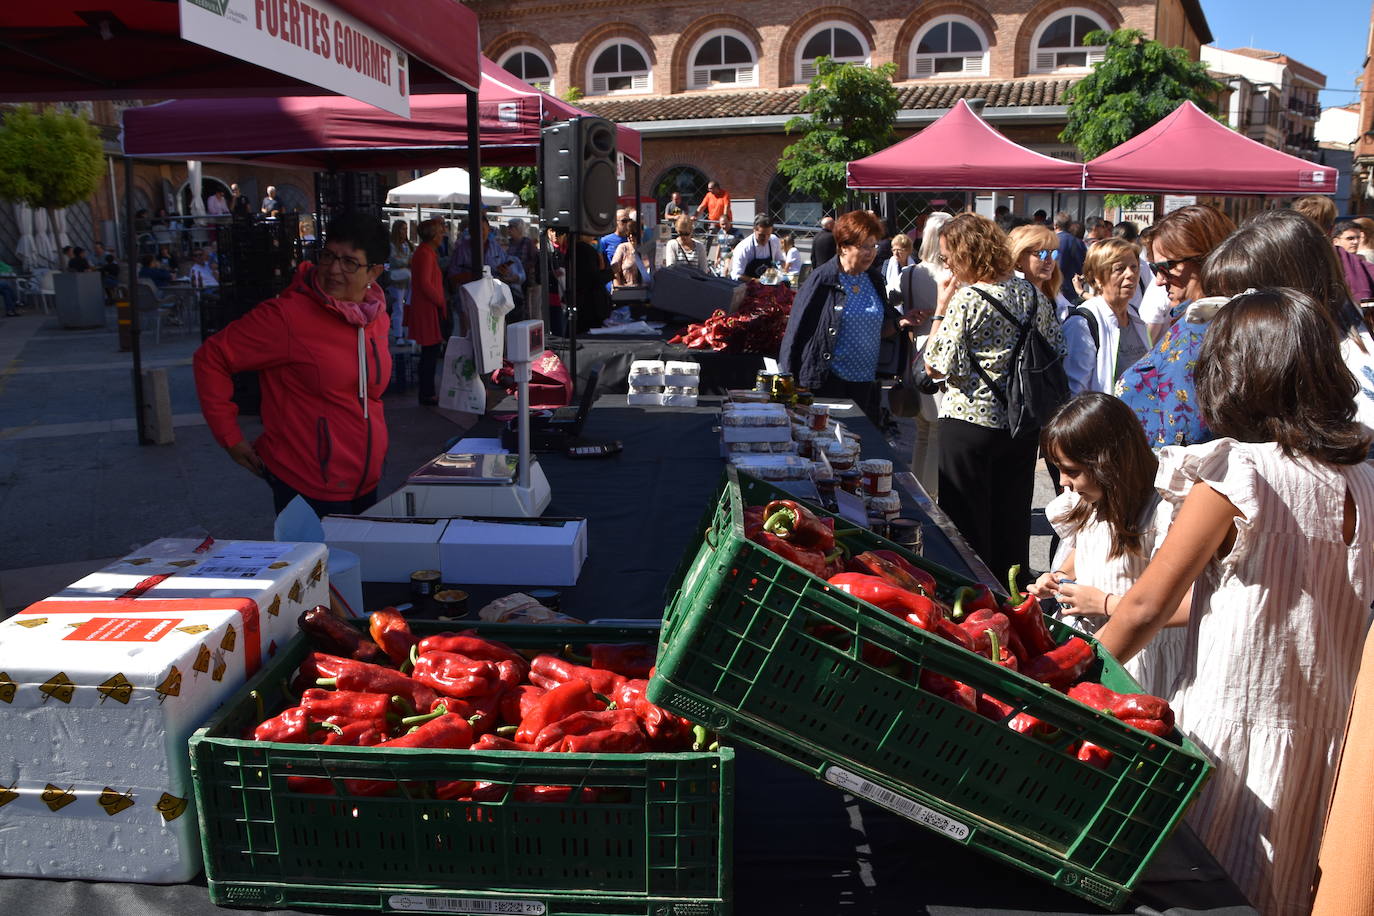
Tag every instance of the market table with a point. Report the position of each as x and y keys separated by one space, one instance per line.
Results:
x=800 y=846
x=614 y=352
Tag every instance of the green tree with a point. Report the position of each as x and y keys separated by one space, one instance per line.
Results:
x=1136 y=85
x=51 y=159
x=852 y=108
x=520 y=180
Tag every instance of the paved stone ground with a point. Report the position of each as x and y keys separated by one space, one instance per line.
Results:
x=76 y=488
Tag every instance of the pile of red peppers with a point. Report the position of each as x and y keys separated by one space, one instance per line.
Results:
x=462 y=691
x=756 y=327
x=1012 y=634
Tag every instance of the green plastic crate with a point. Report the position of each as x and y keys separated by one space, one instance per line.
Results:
x=738 y=654
x=661 y=848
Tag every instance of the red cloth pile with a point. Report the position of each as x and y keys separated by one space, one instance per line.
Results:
x=757 y=327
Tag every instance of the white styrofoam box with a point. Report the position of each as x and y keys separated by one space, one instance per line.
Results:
x=681 y=373
x=756 y=433
x=637 y=398
x=537 y=551
x=678 y=400
x=774 y=467
x=645 y=373
x=103 y=684
x=389 y=549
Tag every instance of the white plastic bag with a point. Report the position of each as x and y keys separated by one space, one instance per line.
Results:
x=486 y=302
x=460 y=383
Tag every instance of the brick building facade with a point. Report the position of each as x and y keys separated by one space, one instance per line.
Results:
x=711 y=89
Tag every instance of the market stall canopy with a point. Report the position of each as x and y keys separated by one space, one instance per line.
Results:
x=961 y=150
x=1191 y=152
x=445 y=186
x=341 y=133
x=57 y=50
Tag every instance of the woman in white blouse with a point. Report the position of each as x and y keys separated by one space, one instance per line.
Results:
x=1105 y=335
x=892 y=268
x=683 y=250
x=791 y=257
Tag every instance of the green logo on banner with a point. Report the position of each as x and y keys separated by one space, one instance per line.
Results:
x=215 y=6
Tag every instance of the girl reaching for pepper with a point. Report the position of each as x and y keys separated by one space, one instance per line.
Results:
x=1112 y=520
x=1273 y=524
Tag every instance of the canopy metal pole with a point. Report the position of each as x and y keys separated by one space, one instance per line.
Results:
x=135 y=345
x=474 y=180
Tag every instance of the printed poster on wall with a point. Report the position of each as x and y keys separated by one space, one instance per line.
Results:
x=310 y=40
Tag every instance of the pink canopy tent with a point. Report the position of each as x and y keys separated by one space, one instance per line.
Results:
x=1191 y=152
x=961 y=150
x=341 y=133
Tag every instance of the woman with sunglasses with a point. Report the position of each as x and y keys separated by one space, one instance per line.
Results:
x=1035 y=252
x=683 y=250
x=320 y=351
x=1159 y=386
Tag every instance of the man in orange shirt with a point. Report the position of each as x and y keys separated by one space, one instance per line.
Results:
x=716 y=203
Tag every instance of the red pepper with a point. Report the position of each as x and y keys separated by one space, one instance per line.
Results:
x=993 y=708
x=1093 y=755
x=630 y=659
x=454 y=790
x=517 y=703
x=470 y=644
x=630 y=691
x=497 y=743
x=1027 y=618
x=618 y=740
x=550 y=671
x=1062 y=665
x=329 y=633
x=551 y=737
x=390 y=631
x=1027 y=724
x=970 y=598
x=1153 y=726
x=666 y=731
x=798 y=525
x=926 y=580
x=445 y=731
x=360 y=676
x=456 y=675
x=294 y=726
x=348 y=704
x=1122 y=705
x=918 y=610
x=871 y=563
x=554 y=794
x=482 y=711
x=358 y=732
x=958 y=693
x=555 y=705
x=810 y=560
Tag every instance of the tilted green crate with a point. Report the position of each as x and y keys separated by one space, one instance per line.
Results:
x=661 y=847
x=740 y=653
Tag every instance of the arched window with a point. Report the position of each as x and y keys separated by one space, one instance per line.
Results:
x=950 y=46
x=530 y=66
x=687 y=181
x=1058 y=43
x=838 y=42
x=724 y=58
x=792 y=207
x=619 y=66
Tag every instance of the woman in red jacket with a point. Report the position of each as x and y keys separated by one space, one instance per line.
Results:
x=320 y=350
x=427 y=306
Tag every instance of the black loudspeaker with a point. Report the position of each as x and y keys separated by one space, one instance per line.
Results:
x=580 y=187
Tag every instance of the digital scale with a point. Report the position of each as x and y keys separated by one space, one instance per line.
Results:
x=505 y=486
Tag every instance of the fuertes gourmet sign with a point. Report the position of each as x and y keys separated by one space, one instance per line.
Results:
x=310 y=40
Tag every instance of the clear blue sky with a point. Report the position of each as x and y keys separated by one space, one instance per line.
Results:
x=1326 y=35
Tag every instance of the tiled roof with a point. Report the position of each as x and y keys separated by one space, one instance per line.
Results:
x=1257 y=53
x=764 y=102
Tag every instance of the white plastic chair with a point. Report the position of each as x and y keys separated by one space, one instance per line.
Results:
x=40 y=287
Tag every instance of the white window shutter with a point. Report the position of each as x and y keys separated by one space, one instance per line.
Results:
x=749 y=76
x=808 y=70
x=1096 y=56
x=925 y=66
x=640 y=81
x=1044 y=60
x=598 y=84
x=976 y=64
x=701 y=77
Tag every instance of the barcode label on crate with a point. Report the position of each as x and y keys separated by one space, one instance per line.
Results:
x=225 y=571
x=908 y=808
x=413 y=903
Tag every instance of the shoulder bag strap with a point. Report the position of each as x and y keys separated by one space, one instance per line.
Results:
x=1024 y=332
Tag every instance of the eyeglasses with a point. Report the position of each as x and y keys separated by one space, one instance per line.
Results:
x=1047 y=254
x=349 y=265
x=1167 y=267
x=941 y=259
x=623 y=219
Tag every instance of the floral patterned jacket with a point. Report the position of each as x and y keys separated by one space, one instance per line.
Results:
x=1159 y=386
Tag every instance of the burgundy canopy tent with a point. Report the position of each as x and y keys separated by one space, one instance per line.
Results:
x=961 y=150
x=1191 y=152
x=59 y=50
x=342 y=133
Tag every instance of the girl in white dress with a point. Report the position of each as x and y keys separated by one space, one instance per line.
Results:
x=1112 y=521
x=1274 y=528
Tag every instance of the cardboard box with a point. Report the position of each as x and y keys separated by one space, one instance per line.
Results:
x=389 y=549
x=104 y=682
x=536 y=551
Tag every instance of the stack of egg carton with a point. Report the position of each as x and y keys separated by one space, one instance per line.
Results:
x=659 y=383
x=758 y=438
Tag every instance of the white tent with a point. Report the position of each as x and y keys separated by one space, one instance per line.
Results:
x=445 y=186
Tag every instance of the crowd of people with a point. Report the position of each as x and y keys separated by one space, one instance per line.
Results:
x=1212 y=450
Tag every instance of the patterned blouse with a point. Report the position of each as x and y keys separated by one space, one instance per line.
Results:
x=972 y=324
x=1159 y=387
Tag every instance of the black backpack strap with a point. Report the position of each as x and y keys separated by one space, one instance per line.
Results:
x=1024 y=330
x=1091 y=319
